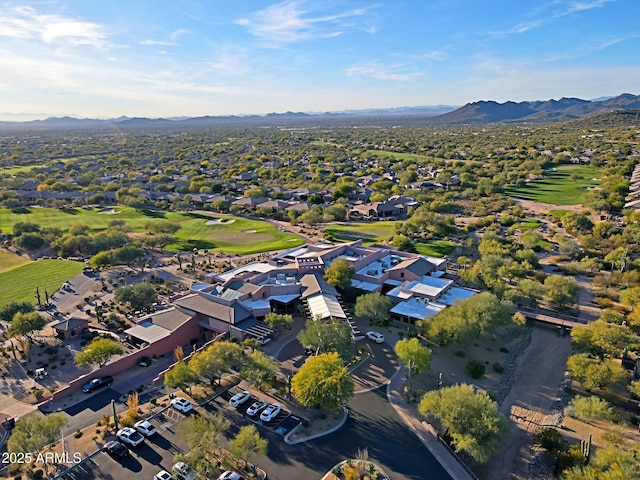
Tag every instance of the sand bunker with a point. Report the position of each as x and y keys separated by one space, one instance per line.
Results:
x=249 y=231
x=216 y=221
x=109 y=211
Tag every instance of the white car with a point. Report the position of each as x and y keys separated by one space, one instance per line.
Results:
x=239 y=398
x=375 y=337
x=145 y=428
x=182 y=471
x=228 y=475
x=255 y=407
x=129 y=436
x=270 y=412
x=163 y=475
x=182 y=404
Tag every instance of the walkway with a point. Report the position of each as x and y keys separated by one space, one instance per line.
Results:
x=424 y=431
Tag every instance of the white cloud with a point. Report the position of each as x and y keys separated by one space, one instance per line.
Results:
x=26 y=23
x=296 y=20
x=172 y=41
x=379 y=71
x=565 y=8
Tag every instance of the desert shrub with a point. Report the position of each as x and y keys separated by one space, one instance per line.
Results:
x=589 y=408
x=570 y=458
x=504 y=349
x=549 y=439
x=475 y=369
x=350 y=472
x=497 y=367
x=460 y=353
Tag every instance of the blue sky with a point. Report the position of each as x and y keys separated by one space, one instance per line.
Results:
x=160 y=58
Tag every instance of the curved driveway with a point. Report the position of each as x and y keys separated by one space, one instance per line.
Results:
x=372 y=424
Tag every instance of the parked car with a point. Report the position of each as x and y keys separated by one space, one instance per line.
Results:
x=163 y=475
x=270 y=412
x=256 y=407
x=239 y=398
x=228 y=475
x=182 y=471
x=97 y=383
x=116 y=449
x=375 y=336
x=145 y=427
x=182 y=404
x=145 y=361
x=130 y=436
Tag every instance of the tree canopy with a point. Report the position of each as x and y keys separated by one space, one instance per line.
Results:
x=24 y=324
x=323 y=381
x=339 y=274
x=600 y=338
x=464 y=322
x=180 y=376
x=99 y=352
x=561 y=291
x=259 y=369
x=33 y=432
x=415 y=356
x=215 y=360
x=247 y=442
x=373 y=305
x=595 y=373
x=140 y=295
x=471 y=419
x=326 y=336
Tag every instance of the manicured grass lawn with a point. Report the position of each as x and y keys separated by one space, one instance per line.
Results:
x=528 y=224
x=435 y=248
x=558 y=213
x=44 y=274
x=13 y=170
x=557 y=188
x=398 y=155
x=9 y=261
x=236 y=236
x=369 y=232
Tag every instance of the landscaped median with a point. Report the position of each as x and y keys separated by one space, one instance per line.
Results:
x=361 y=468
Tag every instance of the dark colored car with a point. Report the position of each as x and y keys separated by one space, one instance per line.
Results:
x=97 y=383
x=116 y=449
x=145 y=361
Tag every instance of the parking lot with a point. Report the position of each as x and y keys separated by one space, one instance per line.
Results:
x=155 y=454
x=282 y=424
x=157 y=451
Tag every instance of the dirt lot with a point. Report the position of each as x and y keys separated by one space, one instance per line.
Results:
x=536 y=374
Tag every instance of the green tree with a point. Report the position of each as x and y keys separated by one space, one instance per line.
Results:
x=590 y=408
x=216 y=360
x=323 y=381
x=602 y=339
x=180 y=376
x=23 y=325
x=464 y=322
x=102 y=259
x=278 y=321
x=99 y=352
x=247 y=442
x=630 y=297
x=339 y=274
x=33 y=432
x=259 y=369
x=415 y=356
x=608 y=463
x=140 y=295
x=373 y=305
x=561 y=291
x=594 y=373
x=8 y=311
x=403 y=243
x=324 y=337
x=471 y=419
x=202 y=435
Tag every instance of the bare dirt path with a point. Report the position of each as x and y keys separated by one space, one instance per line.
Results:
x=528 y=405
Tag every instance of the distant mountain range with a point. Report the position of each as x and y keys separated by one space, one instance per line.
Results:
x=538 y=111
x=472 y=113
